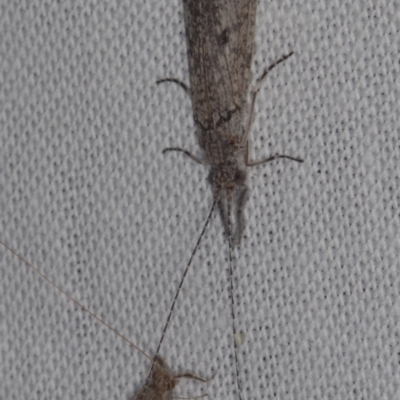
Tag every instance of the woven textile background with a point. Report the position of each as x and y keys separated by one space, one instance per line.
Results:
x=87 y=197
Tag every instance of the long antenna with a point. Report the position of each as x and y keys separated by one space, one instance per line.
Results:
x=233 y=301
x=184 y=275
x=85 y=309
x=179 y=289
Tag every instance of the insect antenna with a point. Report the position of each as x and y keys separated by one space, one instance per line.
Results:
x=163 y=370
x=85 y=309
x=235 y=346
x=179 y=289
x=185 y=273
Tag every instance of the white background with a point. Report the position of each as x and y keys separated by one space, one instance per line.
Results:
x=88 y=198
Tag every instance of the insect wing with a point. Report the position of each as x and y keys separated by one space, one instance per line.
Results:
x=220 y=41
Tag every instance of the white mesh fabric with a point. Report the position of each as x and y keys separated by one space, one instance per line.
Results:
x=88 y=198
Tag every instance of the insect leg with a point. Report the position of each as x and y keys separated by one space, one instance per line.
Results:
x=188 y=375
x=272 y=158
x=249 y=163
x=255 y=91
x=187 y=153
x=187 y=90
x=177 y=81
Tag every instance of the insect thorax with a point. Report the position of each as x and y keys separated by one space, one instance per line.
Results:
x=227 y=164
x=162 y=380
x=227 y=177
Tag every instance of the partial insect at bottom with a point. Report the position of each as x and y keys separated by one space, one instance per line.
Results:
x=162 y=382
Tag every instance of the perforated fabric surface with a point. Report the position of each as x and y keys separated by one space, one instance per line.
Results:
x=89 y=199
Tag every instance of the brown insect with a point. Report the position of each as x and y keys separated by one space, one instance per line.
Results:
x=162 y=382
x=220 y=41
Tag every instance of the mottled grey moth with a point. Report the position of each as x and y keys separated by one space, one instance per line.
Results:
x=220 y=40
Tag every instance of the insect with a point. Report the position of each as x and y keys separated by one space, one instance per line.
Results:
x=220 y=40
x=162 y=382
